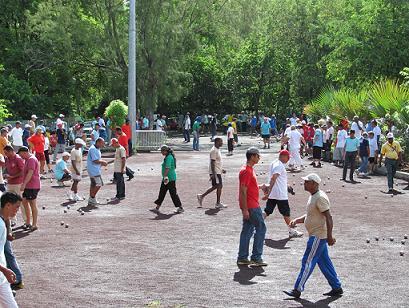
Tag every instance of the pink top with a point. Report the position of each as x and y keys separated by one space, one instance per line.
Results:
x=32 y=164
x=14 y=166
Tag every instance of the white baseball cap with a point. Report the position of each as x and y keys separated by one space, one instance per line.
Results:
x=34 y=116
x=389 y=135
x=79 y=141
x=61 y=115
x=312 y=177
x=66 y=154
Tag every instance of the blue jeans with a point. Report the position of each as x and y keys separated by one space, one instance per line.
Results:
x=186 y=135
x=12 y=262
x=317 y=253
x=255 y=222
x=364 y=164
x=195 y=141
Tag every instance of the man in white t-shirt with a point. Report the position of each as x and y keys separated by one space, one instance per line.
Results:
x=357 y=126
x=187 y=125
x=17 y=135
x=159 y=124
x=276 y=192
x=215 y=172
x=295 y=145
x=10 y=203
x=76 y=168
x=329 y=136
x=339 y=147
x=373 y=152
x=377 y=131
x=119 y=169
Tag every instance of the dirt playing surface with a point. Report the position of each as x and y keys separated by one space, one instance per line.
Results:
x=123 y=255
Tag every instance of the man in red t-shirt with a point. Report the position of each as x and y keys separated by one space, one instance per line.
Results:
x=126 y=128
x=123 y=140
x=252 y=213
x=37 y=143
x=309 y=132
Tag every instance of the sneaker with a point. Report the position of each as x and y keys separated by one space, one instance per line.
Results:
x=243 y=262
x=199 y=199
x=78 y=198
x=293 y=293
x=17 y=285
x=92 y=201
x=292 y=233
x=70 y=196
x=61 y=184
x=179 y=210
x=334 y=292
x=258 y=263
x=220 y=206
x=42 y=177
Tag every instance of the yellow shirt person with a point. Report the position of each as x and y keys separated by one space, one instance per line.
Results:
x=391 y=150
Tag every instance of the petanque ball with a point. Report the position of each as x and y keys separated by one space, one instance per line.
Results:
x=82 y=213
x=401 y=253
x=403 y=242
x=43 y=207
x=62 y=223
x=65 y=211
x=68 y=207
x=391 y=239
x=66 y=226
x=366 y=197
x=405 y=236
x=368 y=240
x=376 y=238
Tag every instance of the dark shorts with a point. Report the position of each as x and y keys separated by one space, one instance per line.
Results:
x=217 y=180
x=316 y=152
x=65 y=177
x=309 y=143
x=283 y=207
x=30 y=194
x=371 y=160
x=40 y=156
x=47 y=156
x=265 y=136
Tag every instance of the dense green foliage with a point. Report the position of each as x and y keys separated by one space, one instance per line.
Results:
x=209 y=55
x=116 y=111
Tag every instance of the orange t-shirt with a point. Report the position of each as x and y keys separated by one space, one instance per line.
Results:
x=123 y=140
x=3 y=142
x=247 y=177
x=38 y=143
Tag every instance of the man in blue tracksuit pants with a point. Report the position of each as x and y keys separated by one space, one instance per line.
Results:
x=318 y=222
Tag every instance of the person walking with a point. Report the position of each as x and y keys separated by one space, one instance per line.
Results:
x=94 y=163
x=76 y=168
x=31 y=187
x=230 y=139
x=276 y=193
x=10 y=203
x=196 y=134
x=16 y=135
x=319 y=224
x=350 y=152
x=168 y=180
x=392 y=152
x=215 y=172
x=252 y=214
x=119 y=169
x=294 y=143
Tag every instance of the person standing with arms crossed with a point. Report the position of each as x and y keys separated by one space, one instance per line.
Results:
x=215 y=171
x=318 y=222
x=252 y=213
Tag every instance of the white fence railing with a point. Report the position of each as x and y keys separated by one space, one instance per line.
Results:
x=149 y=140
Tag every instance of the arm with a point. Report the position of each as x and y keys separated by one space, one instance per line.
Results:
x=10 y=276
x=328 y=218
x=296 y=221
x=272 y=182
x=213 y=167
x=27 y=179
x=243 y=202
x=123 y=161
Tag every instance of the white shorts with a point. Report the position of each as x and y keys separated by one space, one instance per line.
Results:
x=76 y=177
x=6 y=296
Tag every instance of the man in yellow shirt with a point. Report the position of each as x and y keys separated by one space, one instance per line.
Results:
x=393 y=156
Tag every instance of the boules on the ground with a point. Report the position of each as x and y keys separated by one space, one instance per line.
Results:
x=68 y=207
x=403 y=242
x=66 y=225
x=368 y=240
x=82 y=213
x=401 y=253
x=366 y=197
x=62 y=223
x=43 y=207
x=65 y=211
x=391 y=239
x=376 y=238
x=405 y=236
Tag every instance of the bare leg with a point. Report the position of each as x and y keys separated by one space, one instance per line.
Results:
x=74 y=187
x=219 y=193
x=33 y=205
x=27 y=211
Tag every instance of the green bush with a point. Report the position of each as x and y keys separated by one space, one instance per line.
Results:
x=117 y=112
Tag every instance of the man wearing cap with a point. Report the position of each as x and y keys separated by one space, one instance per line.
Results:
x=252 y=214
x=76 y=168
x=393 y=156
x=276 y=193
x=357 y=126
x=350 y=152
x=61 y=136
x=30 y=187
x=119 y=169
x=60 y=121
x=61 y=171
x=123 y=141
x=318 y=222
x=94 y=163
x=16 y=135
x=32 y=124
x=37 y=144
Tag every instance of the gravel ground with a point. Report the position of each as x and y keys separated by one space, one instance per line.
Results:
x=123 y=255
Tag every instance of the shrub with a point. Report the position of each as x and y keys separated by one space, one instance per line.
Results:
x=117 y=112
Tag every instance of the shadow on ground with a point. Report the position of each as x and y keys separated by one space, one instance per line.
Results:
x=322 y=303
x=280 y=244
x=246 y=274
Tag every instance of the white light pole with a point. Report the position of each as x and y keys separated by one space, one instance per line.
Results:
x=132 y=70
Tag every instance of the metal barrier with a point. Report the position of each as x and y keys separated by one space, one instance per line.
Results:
x=149 y=140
